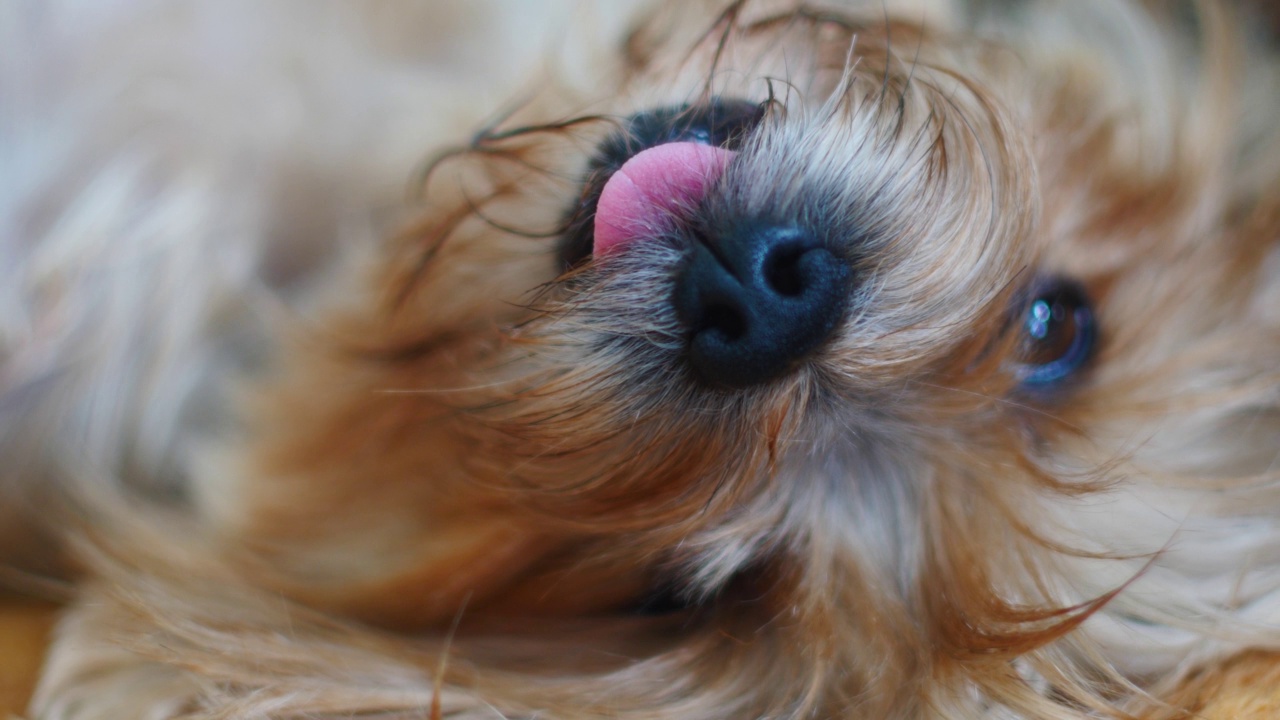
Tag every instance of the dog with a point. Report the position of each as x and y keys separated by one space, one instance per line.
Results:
x=832 y=360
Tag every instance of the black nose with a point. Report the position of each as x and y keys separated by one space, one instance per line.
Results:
x=757 y=300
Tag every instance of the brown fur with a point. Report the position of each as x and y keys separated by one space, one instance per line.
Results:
x=894 y=530
x=1245 y=687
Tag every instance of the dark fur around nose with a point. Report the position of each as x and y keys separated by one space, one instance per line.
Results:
x=756 y=300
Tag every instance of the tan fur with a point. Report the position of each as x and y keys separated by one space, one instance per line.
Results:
x=895 y=529
x=1246 y=687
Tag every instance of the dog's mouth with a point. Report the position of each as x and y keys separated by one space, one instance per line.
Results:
x=753 y=295
x=659 y=162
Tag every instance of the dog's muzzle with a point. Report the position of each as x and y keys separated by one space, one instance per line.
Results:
x=755 y=297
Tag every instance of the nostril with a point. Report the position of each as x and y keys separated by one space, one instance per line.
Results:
x=782 y=271
x=726 y=320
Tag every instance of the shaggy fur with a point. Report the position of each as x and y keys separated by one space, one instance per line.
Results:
x=442 y=476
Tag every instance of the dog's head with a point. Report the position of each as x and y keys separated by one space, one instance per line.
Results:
x=854 y=361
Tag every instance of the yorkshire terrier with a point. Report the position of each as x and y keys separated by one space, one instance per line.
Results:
x=837 y=360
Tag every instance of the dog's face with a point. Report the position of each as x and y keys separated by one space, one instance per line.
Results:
x=851 y=362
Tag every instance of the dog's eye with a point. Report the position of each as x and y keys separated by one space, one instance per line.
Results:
x=1059 y=333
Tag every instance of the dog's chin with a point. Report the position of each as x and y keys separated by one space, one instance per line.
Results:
x=834 y=365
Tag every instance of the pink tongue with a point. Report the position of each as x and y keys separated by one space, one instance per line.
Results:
x=648 y=189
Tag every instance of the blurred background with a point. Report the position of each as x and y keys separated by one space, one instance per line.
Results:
x=165 y=165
